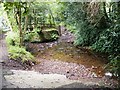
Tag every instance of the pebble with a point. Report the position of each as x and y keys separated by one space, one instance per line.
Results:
x=108 y=74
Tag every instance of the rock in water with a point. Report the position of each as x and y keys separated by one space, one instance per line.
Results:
x=108 y=74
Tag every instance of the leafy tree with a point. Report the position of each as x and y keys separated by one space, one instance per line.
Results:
x=19 y=9
x=14 y=38
x=96 y=24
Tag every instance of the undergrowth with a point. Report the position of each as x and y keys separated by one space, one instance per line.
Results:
x=16 y=52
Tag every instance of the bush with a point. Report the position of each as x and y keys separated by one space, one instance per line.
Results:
x=12 y=38
x=86 y=34
x=114 y=65
x=108 y=41
x=104 y=41
x=15 y=52
x=71 y=28
x=54 y=36
x=18 y=53
x=30 y=36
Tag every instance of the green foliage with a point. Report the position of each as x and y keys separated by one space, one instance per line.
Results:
x=12 y=38
x=19 y=53
x=72 y=14
x=12 y=20
x=32 y=35
x=85 y=34
x=54 y=36
x=50 y=34
x=96 y=25
x=109 y=41
x=114 y=65
x=72 y=29
x=37 y=35
x=40 y=14
x=15 y=52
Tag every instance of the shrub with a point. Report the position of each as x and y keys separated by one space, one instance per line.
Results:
x=15 y=52
x=32 y=35
x=114 y=65
x=12 y=38
x=109 y=41
x=71 y=28
x=85 y=34
x=18 y=53
x=54 y=36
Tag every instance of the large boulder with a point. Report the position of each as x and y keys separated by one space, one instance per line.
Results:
x=50 y=34
x=44 y=35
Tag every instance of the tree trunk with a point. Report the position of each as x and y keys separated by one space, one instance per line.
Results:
x=26 y=21
x=26 y=24
x=19 y=25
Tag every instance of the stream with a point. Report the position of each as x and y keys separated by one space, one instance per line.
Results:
x=60 y=58
x=67 y=52
x=81 y=61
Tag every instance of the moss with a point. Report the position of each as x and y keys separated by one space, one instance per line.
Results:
x=45 y=35
x=50 y=29
x=50 y=34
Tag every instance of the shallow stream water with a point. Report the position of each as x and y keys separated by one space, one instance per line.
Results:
x=67 y=52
